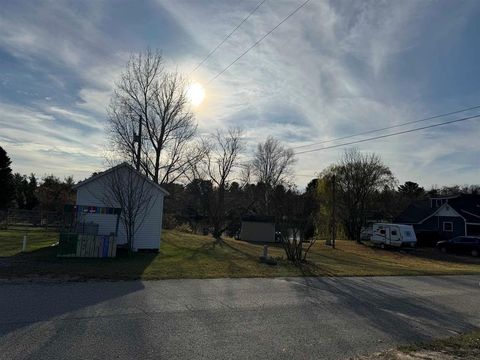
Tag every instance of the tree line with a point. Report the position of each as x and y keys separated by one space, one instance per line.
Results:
x=151 y=126
x=31 y=193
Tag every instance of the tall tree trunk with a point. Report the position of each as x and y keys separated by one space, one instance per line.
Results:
x=157 y=165
x=139 y=142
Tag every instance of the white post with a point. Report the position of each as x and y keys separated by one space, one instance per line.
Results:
x=24 y=247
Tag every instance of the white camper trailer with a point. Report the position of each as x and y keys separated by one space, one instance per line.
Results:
x=397 y=235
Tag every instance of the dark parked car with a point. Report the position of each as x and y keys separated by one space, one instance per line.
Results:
x=461 y=244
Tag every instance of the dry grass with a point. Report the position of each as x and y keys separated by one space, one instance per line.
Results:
x=465 y=347
x=184 y=255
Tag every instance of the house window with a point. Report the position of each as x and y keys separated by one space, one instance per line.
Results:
x=448 y=226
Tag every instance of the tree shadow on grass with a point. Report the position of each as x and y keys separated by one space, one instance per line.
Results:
x=44 y=262
x=204 y=249
x=241 y=252
x=359 y=261
x=434 y=254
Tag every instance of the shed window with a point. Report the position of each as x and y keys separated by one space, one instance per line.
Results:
x=447 y=226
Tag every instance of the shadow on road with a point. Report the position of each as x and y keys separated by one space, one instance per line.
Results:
x=387 y=308
x=37 y=284
x=35 y=303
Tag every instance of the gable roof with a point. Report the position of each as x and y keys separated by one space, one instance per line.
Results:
x=122 y=165
x=466 y=206
x=416 y=212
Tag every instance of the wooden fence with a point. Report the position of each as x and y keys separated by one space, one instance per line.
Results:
x=93 y=246
x=30 y=218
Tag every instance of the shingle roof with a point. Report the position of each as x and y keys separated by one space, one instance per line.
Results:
x=124 y=164
x=416 y=212
x=467 y=205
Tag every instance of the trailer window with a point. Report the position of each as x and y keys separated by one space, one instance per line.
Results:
x=382 y=232
x=394 y=232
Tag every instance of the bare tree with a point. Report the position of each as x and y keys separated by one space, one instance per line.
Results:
x=129 y=190
x=149 y=119
x=218 y=167
x=294 y=243
x=358 y=176
x=272 y=166
x=273 y=162
x=294 y=227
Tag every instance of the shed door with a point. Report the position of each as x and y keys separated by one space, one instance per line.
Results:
x=395 y=235
x=385 y=233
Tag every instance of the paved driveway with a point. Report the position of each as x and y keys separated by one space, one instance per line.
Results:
x=301 y=318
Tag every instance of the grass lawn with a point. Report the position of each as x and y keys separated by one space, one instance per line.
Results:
x=464 y=346
x=184 y=255
x=11 y=240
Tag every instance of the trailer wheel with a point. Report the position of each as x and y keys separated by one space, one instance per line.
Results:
x=475 y=252
x=443 y=250
x=382 y=246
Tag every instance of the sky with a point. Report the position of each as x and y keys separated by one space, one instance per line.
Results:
x=334 y=69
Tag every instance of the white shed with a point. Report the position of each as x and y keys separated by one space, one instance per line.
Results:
x=97 y=191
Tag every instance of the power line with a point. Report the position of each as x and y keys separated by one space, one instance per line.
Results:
x=227 y=37
x=388 y=135
x=259 y=40
x=388 y=127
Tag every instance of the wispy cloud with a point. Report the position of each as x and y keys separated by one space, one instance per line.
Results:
x=334 y=69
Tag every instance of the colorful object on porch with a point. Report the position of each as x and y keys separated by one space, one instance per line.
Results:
x=88 y=209
x=79 y=245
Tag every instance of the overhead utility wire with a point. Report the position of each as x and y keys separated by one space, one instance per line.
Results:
x=388 y=135
x=388 y=127
x=227 y=37
x=259 y=41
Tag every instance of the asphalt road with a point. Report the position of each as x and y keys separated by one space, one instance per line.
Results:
x=293 y=318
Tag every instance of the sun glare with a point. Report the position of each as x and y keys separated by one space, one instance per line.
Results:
x=196 y=94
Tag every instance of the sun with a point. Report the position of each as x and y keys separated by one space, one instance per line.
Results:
x=195 y=94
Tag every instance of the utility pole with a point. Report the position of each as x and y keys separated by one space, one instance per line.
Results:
x=334 y=215
x=138 y=139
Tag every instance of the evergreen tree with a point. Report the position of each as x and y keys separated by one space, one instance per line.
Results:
x=6 y=180
x=411 y=190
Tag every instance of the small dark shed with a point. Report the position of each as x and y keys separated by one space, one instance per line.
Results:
x=258 y=229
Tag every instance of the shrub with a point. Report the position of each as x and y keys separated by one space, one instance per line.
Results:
x=169 y=222
x=184 y=228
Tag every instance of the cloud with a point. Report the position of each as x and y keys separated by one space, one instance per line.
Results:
x=40 y=142
x=333 y=69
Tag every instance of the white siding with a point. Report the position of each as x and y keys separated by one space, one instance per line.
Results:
x=148 y=235
x=447 y=210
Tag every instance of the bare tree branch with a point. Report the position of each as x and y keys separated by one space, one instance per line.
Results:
x=151 y=98
x=220 y=161
x=133 y=193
